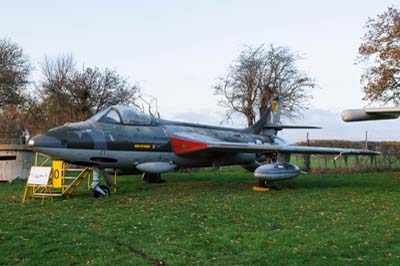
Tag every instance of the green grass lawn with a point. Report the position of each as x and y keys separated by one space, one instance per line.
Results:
x=208 y=218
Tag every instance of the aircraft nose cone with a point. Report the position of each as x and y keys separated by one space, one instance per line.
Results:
x=44 y=141
x=31 y=143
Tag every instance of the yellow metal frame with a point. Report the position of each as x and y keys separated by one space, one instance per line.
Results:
x=115 y=180
x=37 y=191
x=37 y=160
x=57 y=173
x=83 y=173
x=64 y=189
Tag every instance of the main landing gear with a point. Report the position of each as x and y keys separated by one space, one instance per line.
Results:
x=152 y=178
x=263 y=185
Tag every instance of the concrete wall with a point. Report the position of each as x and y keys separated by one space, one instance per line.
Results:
x=15 y=161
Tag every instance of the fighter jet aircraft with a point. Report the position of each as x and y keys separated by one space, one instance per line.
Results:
x=353 y=115
x=122 y=138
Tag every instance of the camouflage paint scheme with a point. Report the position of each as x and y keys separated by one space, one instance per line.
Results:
x=120 y=137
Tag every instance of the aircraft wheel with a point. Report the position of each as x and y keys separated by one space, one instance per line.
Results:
x=264 y=183
x=152 y=178
x=106 y=191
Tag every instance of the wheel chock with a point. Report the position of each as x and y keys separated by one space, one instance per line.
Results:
x=257 y=188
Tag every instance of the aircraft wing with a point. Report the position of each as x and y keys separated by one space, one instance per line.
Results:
x=365 y=114
x=280 y=127
x=184 y=147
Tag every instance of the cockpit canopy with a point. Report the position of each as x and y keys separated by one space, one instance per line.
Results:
x=124 y=115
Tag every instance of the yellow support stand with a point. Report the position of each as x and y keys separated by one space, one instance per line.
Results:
x=31 y=193
x=64 y=180
x=115 y=180
x=36 y=158
x=88 y=182
x=38 y=184
x=57 y=175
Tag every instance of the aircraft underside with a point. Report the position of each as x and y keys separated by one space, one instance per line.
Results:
x=130 y=160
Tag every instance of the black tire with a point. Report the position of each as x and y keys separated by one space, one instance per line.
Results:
x=152 y=178
x=262 y=183
x=265 y=184
x=97 y=194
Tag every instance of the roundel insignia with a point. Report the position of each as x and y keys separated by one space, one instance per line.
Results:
x=184 y=146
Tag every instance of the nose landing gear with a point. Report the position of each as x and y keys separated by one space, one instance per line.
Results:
x=101 y=191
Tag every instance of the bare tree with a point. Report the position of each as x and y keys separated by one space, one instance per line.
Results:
x=14 y=73
x=54 y=90
x=257 y=76
x=71 y=95
x=93 y=90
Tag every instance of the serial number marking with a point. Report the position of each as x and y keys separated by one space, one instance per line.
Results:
x=142 y=146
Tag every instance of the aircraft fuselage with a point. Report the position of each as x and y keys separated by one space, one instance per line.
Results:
x=120 y=146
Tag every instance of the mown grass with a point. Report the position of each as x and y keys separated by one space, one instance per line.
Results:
x=208 y=218
x=365 y=163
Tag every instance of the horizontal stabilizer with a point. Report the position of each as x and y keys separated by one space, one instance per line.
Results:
x=280 y=127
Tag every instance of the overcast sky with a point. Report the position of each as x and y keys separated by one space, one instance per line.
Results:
x=176 y=50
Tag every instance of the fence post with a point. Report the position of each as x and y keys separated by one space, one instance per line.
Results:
x=357 y=166
x=307 y=159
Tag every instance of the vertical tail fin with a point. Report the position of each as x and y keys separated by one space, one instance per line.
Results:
x=271 y=117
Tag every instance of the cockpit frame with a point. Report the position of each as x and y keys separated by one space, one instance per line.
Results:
x=125 y=114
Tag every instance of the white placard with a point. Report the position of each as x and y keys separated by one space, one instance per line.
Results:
x=39 y=175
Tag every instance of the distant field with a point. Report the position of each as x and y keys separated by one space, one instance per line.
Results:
x=208 y=218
